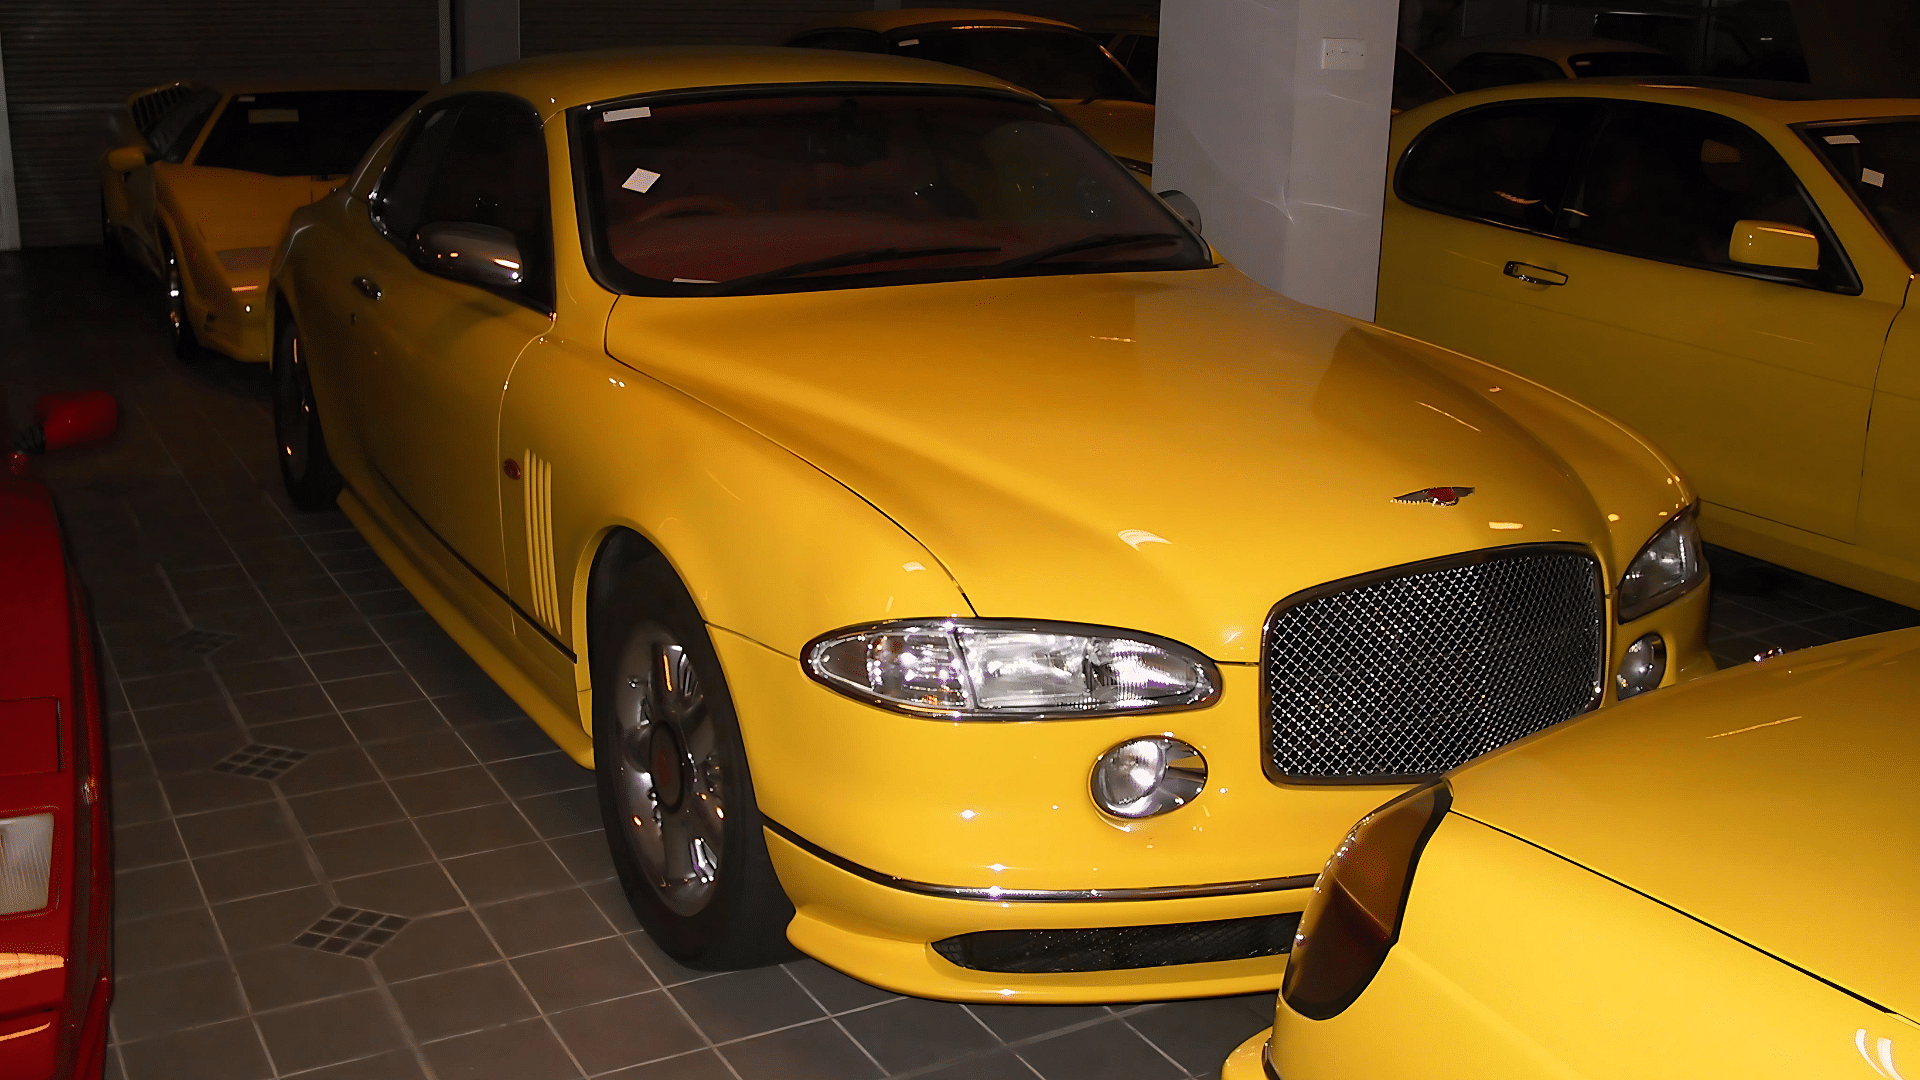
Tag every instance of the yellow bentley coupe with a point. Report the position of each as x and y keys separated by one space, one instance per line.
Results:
x=947 y=566
x=1060 y=62
x=1722 y=880
x=1725 y=266
x=200 y=191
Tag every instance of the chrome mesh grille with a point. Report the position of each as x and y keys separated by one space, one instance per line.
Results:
x=1378 y=679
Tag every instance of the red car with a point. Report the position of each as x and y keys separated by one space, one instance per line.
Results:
x=56 y=868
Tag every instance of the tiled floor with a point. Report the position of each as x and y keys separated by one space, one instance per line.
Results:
x=343 y=853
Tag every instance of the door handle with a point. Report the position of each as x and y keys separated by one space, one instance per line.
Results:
x=372 y=291
x=1535 y=275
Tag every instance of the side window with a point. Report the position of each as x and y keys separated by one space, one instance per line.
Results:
x=1505 y=164
x=1669 y=183
x=1481 y=70
x=481 y=160
x=842 y=40
x=173 y=134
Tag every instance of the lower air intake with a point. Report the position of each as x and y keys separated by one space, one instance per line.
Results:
x=1117 y=948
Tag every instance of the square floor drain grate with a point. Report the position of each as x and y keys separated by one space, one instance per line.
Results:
x=351 y=931
x=260 y=762
x=201 y=642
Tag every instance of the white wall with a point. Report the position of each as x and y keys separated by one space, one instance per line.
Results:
x=1280 y=140
x=9 y=208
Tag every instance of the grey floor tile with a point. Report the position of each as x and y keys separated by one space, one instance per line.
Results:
x=834 y=991
x=508 y=873
x=292 y=974
x=544 y=921
x=412 y=891
x=1002 y=1065
x=260 y=675
x=1111 y=1051
x=218 y=831
x=466 y=999
x=479 y=828
x=912 y=1033
x=165 y=941
x=174 y=689
x=505 y=739
x=583 y=974
x=193 y=753
x=396 y=721
x=180 y=721
x=135 y=801
x=328 y=637
x=698 y=1065
x=329 y=1031
x=455 y=789
x=625 y=1031
x=541 y=774
x=523 y=1051
x=563 y=813
x=326 y=770
x=392 y=1065
x=266 y=921
x=585 y=856
x=431 y=945
x=374 y=848
x=346 y=808
x=1016 y=1022
x=1200 y=1034
x=197 y=792
x=146 y=844
x=287 y=703
x=410 y=755
x=367 y=691
x=237 y=875
x=229 y=1051
x=175 y=999
x=737 y=1004
x=816 y=1051
x=311 y=733
x=155 y=889
x=352 y=663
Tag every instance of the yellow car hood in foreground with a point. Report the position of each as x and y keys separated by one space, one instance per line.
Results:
x=1774 y=802
x=1169 y=452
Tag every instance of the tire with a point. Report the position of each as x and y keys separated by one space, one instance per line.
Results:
x=186 y=345
x=675 y=792
x=305 y=466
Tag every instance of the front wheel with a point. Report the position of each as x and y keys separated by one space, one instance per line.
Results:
x=675 y=793
x=305 y=467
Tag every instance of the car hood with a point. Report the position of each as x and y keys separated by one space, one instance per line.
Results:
x=1124 y=128
x=234 y=209
x=1168 y=452
x=1773 y=801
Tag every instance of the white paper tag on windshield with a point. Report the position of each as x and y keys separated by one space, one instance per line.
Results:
x=626 y=114
x=904 y=42
x=1843 y=140
x=1877 y=179
x=640 y=181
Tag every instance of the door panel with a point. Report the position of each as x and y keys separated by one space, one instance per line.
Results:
x=1890 y=481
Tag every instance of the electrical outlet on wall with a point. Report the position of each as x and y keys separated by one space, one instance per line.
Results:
x=1343 y=54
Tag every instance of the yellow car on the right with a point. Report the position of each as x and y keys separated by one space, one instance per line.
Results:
x=1719 y=880
x=1723 y=265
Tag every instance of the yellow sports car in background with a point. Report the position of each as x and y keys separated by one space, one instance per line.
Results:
x=1716 y=881
x=1056 y=60
x=947 y=566
x=1727 y=272
x=200 y=188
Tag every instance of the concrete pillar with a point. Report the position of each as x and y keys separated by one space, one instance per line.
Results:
x=1273 y=115
x=476 y=34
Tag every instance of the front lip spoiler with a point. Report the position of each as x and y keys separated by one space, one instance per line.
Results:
x=1042 y=896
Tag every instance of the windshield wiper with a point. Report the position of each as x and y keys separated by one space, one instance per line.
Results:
x=835 y=262
x=1085 y=243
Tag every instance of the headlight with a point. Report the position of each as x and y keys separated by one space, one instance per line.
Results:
x=1000 y=669
x=26 y=861
x=1353 y=917
x=1667 y=567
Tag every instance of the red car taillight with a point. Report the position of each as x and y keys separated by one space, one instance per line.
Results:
x=1354 y=915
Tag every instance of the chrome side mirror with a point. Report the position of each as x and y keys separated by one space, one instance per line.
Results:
x=1182 y=203
x=464 y=251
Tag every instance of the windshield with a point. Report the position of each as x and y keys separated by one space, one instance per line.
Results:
x=761 y=194
x=1880 y=162
x=1594 y=65
x=1052 y=63
x=301 y=133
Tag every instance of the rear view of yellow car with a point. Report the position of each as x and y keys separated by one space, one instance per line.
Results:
x=1720 y=880
x=948 y=568
x=1724 y=270
x=200 y=191
x=1056 y=60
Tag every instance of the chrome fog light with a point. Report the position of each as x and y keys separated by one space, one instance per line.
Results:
x=1148 y=776
x=1642 y=668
